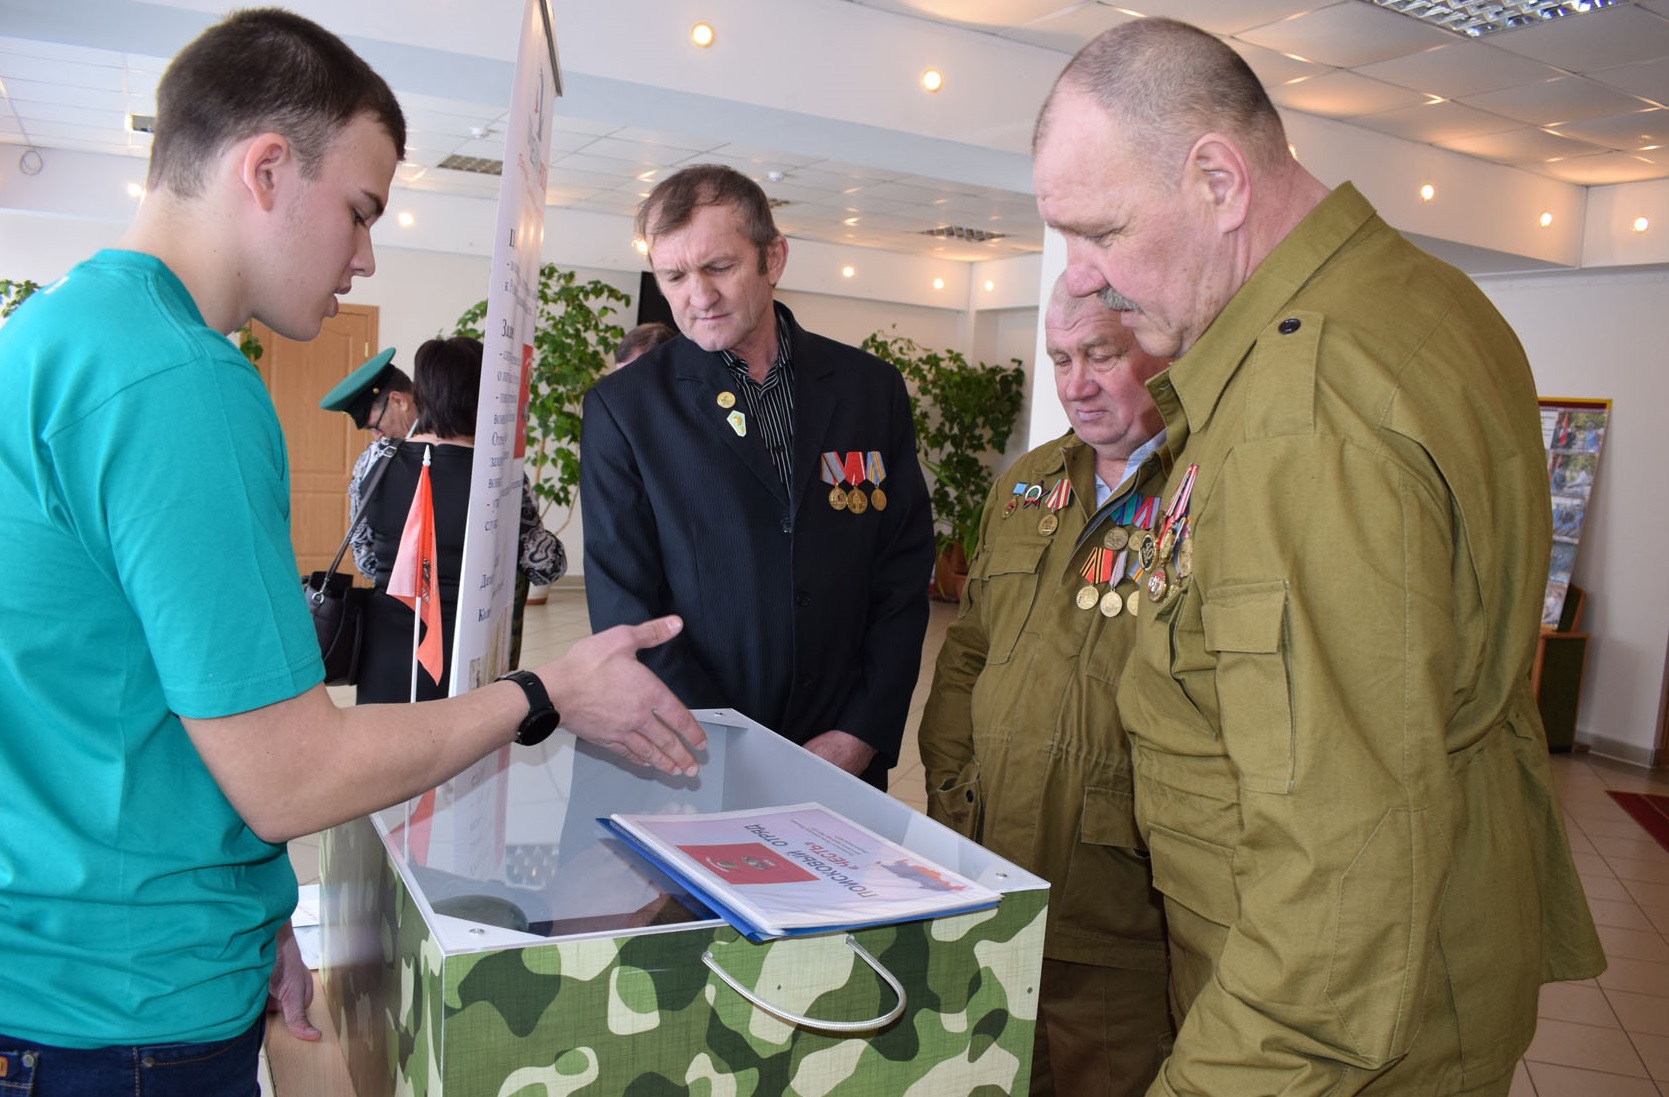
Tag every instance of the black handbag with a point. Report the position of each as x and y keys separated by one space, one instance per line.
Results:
x=337 y=606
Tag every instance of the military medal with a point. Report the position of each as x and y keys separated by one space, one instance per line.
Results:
x=1133 y=603
x=875 y=470
x=1111 y=604
x=1014 y=499
x=1157 y=586
x=1185 y=555
x=1147 y=551
x=1116 y=538
x=738 y=423
x=1098 y=568
x=1034 y=495
x=852 y=471
x=1167 y=542
x=727 y=399
x=1060 y=496
x=832 y=473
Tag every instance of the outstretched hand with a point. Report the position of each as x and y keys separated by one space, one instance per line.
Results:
x=608 y=698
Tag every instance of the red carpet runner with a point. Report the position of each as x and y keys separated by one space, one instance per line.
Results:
x=1650 y=811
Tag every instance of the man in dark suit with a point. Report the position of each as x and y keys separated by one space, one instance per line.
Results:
x=762 y=481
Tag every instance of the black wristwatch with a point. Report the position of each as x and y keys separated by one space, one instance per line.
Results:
x=541 y=718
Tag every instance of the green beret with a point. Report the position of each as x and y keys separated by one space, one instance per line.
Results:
x=360 y=389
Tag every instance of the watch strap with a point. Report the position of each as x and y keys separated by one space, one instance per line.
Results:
x=538 y=704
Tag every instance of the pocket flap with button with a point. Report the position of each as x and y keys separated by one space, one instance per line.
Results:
x=1109 y=819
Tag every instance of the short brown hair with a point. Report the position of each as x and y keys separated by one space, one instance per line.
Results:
x=256 y=71
x=673 y=202
x=1170 y=83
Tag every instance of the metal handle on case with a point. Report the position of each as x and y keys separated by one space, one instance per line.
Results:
x=882 y=1021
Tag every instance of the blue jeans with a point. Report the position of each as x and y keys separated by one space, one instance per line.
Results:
x=224 y=1068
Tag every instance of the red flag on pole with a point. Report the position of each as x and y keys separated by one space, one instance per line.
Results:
x=414 y=581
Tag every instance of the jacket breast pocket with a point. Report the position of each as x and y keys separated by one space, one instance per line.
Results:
x=1245 y=632
x=1004 y=579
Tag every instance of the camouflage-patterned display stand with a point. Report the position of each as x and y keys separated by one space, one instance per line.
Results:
x=632 y=1012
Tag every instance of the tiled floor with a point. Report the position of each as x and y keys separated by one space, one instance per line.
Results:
x=1607 y=1037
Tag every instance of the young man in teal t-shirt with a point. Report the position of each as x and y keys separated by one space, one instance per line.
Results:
x=163 y=725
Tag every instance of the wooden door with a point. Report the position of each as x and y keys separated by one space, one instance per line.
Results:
x=322 y=444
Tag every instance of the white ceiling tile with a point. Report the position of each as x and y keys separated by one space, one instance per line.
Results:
x=1274 y=69
x=1224 y=16
x=1459 y=69
x=1342 y=94
x=33 y=91
x=1521 y=146
x=1603 y=38
x=1432 y=123
x=16 y=67
x=1623 y=132
x=1565 y=99
x=1647 y=79
x=1069 y=30
x=1347 y=34
x=1602 y=169
x=665 y=139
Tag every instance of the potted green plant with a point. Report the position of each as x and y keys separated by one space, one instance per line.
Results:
x=573 y=338
x=964 y=414
x=13 y=294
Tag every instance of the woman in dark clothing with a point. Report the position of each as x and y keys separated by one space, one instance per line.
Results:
x=446 y=383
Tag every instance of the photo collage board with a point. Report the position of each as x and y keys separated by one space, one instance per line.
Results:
x=1573 y=431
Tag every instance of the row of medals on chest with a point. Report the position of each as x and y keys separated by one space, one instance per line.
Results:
x=1165 y=558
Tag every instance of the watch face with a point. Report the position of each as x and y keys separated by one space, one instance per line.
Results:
x=538 y=727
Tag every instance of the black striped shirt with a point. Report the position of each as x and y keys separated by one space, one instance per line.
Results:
x=770 y=403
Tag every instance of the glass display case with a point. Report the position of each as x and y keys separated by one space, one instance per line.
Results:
x=491 y=936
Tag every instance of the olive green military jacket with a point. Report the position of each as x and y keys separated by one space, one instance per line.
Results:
x=1340 y=771
x=1020 y=738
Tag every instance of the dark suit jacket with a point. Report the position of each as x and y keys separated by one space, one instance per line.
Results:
x=798 y=615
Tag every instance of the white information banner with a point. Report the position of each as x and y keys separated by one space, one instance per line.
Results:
x=487 y=578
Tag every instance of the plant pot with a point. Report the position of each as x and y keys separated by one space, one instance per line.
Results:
x=950 y=573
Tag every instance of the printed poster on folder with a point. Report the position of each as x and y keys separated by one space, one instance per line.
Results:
x=785 y=871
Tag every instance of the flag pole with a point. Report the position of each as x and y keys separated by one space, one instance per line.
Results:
x=424 y=593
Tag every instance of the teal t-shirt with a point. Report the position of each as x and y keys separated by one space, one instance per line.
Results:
x=146 y=574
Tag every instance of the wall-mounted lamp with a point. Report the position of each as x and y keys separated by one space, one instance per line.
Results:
x=702 y=34
x=989 y=285
x=1427 y=192
x=641 y=245
x=847 y=272
x=938 y=283
x=135 y=190
x=1641 y=224
x=1546 y=218
x=932 y=80
x=405 y=219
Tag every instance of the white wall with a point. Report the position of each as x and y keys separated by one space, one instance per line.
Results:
x=1605 y=335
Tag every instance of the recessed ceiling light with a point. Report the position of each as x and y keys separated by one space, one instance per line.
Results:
x=989 y=285
x=702 y=34
x=938 y=283
x=641 y=245
x=1546 y=218
x=932 y=80
x=135 y=190
x=1641 y=224
x=850 y=221
x=847 y=272
x=1427 y=192
x=406 y=219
